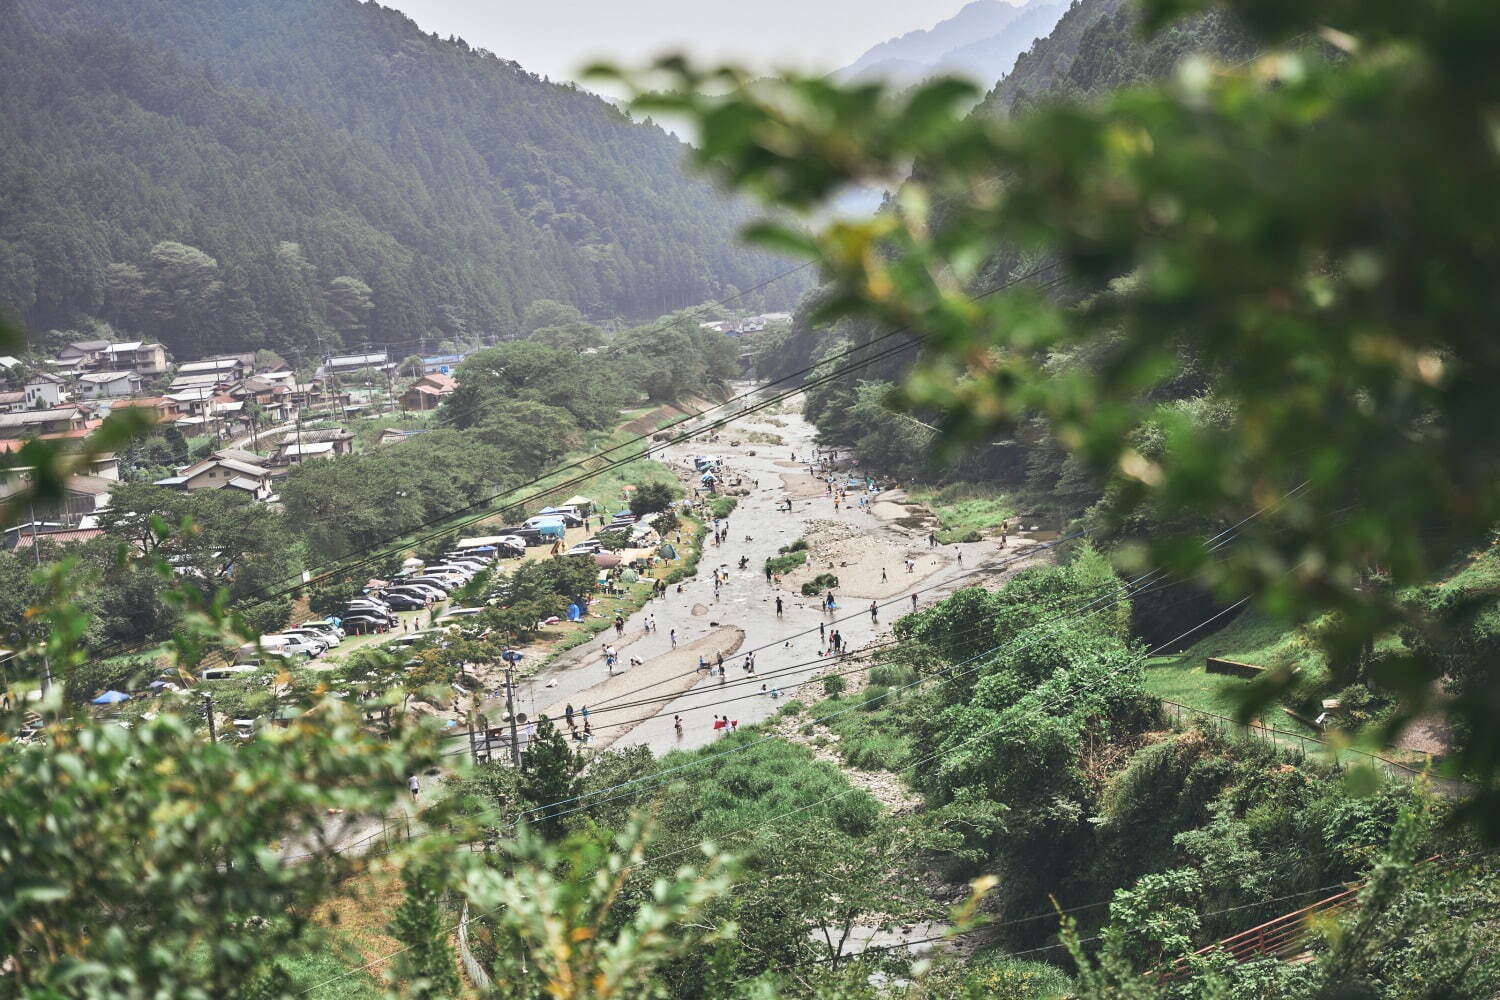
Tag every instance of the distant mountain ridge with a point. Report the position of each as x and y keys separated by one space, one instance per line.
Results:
x=233 y=174
x=981 y=41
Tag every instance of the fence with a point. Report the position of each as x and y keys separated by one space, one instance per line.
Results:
x=476 y=972
x=1182 y=716
x=1283 y=938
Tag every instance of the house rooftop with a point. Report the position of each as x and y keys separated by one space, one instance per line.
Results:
x=27 y=418
x=239 y=455
x=310 y=448
x=211 y=365
x=103 y=377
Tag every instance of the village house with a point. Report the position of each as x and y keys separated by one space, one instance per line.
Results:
x=292 y=453
x=12 y=401
x=82 y=354
x=84 y=493
x=20 y=537
x=341 y=439
x=273 y=397
x=224 y=369
x=395 y=435
x=349 y=363
x=428 y=391
x=218 y=473
x=34 y=423
x=108 y=385
x=164 y=408
x=137 y=356
x=44 y=390
x=442 y=364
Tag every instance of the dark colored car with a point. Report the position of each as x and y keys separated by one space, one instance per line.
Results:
x=405 y=602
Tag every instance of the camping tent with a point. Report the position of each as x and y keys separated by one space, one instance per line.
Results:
x=606 y=559
x=580 y=503
x=111 y=697
x=551 y=529
x=667 y=551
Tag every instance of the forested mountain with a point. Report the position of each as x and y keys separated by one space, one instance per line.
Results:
x=309 y=174
x=981 y=41
x=1095 y=47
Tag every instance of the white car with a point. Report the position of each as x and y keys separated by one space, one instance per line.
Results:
x=328 y=639
x=324 y=626
x=295 y=644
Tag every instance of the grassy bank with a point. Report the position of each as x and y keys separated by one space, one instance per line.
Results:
x=965 y=511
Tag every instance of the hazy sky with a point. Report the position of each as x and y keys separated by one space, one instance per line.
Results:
x=556 y=37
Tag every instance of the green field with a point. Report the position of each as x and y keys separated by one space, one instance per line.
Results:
x=1249 y=638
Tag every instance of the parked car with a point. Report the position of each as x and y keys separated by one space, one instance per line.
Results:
x=407 y=602
x=367 y=604
x=474 y=568
x=527 y=536
x=324 y=626
x=223 y=673
x=296 y=644
x=441 y=583
x=329 y=639
x=424 y=591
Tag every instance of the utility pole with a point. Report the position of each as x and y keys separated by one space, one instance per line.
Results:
x=510 y=709
x=36 y=551
x=208 y=706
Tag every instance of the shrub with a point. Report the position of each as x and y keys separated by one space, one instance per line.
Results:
x=891 y=675
x=834 y=686
x=722 y=506
x=818 y=584
x=875 y=698
x=783 y=564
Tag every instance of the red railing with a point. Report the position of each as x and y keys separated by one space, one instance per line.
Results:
x=1282 y=937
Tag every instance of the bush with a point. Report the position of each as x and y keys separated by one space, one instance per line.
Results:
x=818 y=584
x=891 y=675
x=834 y=686
x=784 y=564
x=874 y=698
x=722 y=506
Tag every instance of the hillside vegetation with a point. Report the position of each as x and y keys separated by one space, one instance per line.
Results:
x=228 y=176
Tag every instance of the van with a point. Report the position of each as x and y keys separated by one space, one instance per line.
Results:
x=223 y=673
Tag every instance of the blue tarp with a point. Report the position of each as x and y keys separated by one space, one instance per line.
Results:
x=574 y=613
x=111 y=698
x=552 y=529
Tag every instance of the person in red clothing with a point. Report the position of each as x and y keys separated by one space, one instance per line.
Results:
x=718 y=723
